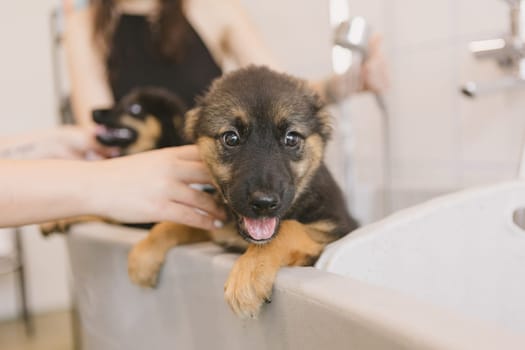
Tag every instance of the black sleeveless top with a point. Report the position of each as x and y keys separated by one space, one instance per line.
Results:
x=134 y=61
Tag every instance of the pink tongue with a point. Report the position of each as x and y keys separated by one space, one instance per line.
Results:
x=260 y=229
x=100 y=129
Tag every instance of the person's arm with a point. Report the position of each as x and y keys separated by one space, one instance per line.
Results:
x=65 y=142
x=149 y=187
x=242 y=40
x=87 y=74
x=372 y=77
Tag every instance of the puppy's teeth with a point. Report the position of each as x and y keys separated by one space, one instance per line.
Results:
x=218 y=224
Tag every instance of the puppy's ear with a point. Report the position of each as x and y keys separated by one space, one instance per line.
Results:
x=325 y=119
x=323 y=115
x=192 y=117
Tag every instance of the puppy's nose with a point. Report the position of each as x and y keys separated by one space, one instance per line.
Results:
x=263 y=203
x=101 y=116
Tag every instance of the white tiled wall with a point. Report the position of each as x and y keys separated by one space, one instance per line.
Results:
x=442 y=141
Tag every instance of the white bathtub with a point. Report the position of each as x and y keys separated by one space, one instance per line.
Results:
x=444 y=275
x=462 y=252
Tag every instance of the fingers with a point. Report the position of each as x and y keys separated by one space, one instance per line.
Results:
x=69 y=154
x=375 y=71
x=188 y=152
x=192 y=172
x=198 y=199
x=182 y=214
x=82 y=140
x=375 y=43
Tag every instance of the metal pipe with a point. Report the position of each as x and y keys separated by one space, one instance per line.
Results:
x=353 y=35
x=508 y=51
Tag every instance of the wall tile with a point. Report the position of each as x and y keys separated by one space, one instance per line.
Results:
x=481 y=19
x=423 y=95
x=298 y=32
x=417 y=22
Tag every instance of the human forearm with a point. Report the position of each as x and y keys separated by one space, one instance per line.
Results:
x=66 y=142
x=37 y=191
x=86 y=69
x=148 y=187
x=16 y=147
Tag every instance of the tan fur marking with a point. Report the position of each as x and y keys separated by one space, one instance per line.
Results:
x=286 y=107
x=229 y=237
x=208 y=149
x=238 y=112
x=148 y=131
x=178 y=122
x=191 y=119
x=319 y=230
x=251 y=279
x=305 y=168
x=146 y=257
x=280 y=113
x=326 y=121
x=63 y=225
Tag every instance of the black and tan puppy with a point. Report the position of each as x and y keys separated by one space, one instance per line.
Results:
x=145 y=119
x=262 y=134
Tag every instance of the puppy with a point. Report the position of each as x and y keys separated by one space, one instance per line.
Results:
x=262 y=135
x=145 y=119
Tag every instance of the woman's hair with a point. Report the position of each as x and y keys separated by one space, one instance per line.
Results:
x=169 y=26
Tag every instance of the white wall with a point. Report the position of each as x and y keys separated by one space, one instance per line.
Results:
x=297 y=31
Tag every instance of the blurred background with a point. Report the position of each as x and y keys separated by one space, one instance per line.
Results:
x=441 y=141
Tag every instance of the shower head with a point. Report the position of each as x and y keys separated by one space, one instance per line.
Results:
x=353 y=35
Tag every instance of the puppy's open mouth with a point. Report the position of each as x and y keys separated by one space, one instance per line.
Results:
x=259 y=230
x=115 y=136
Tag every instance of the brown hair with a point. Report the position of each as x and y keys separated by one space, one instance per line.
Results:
x=169 y=26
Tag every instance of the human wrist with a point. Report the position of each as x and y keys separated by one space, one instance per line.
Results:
x=92 y=188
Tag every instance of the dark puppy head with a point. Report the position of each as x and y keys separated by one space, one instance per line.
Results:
x=262 y=134
x=145 y=119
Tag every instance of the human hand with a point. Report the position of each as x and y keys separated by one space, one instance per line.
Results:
x=374 y=74
x=154 y=186
x=370 y=75
x=64 y=142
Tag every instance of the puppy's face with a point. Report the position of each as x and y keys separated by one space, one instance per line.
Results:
x=262 y=134
x=146 y=119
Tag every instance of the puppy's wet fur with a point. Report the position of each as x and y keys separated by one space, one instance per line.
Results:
x=262 y=135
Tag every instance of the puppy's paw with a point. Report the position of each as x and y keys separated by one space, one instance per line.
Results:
x=248 y=287
x=144 y=263
x=59 y=226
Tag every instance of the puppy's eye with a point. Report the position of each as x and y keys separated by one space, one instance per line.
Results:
x=135 y=109
x=292 y=139
x=231 y=138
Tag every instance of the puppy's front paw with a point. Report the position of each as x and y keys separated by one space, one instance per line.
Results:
x=59 y=226
x=144 y=263
x=248 y=287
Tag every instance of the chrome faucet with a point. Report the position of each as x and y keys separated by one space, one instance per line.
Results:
x=508 y=51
